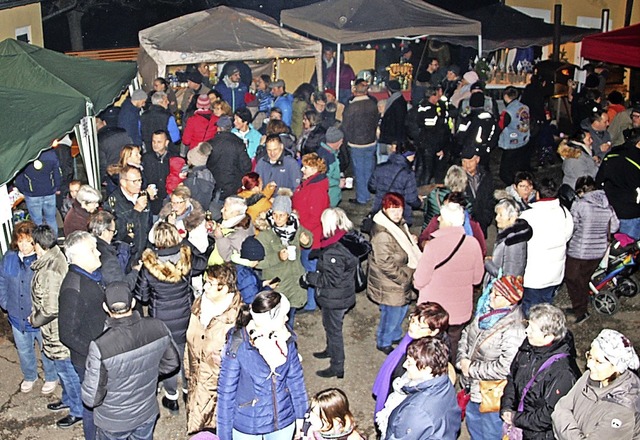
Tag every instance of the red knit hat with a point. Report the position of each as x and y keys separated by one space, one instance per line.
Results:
x=511 y=287
x=203 y=102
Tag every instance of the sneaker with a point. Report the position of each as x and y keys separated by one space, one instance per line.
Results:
x=49 y=387
x=27 y=385
x=582 y=318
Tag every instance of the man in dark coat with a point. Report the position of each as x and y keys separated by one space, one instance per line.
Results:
x=158 y=117
x=129 y=116
x=156 y=168
x=125 y=402
x=479 y=189
x=80 y=316
x=133 y=219
x=433 y=141
x=392 y=130
x=110 y=143
x=228 y=162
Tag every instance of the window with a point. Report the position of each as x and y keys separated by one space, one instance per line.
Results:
x=24 y=34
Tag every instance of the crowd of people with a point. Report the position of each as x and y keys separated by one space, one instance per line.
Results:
x=184 y=273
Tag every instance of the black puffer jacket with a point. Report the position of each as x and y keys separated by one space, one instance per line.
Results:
x=334 y=277
x=164 y=283
x=548 y=387
x=228 y=162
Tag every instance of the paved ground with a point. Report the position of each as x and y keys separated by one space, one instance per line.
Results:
x=25 y=417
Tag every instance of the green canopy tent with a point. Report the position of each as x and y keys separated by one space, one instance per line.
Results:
x=46 y=94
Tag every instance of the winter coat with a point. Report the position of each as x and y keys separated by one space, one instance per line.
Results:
x=310 y=199
x=77 y=219
x=129 y=119
x=202 y=185
x=164 y=284
x=285 y=172
x=334 y=164
x=176 y=165
x=298 y=107
x=156 y=170
x=15 y=288
x=599 y=138
x=389 y=280
x=490 y=351
x=549 y=386
x=81 y=316
x=228 y=162
x=251 y=398
x=232 y=96
x=430 y=411
x=593 y=220
x=44 y=181
x=110 y=143
x=395 y=175
x=122 y=208
x=552 y=227
x=469 y=225
x=285 y=103
x=248 y=282
x=48 y=272
x=122 y=371
x=392 y=129
x=334 y=277
x=111 y=267
x=591 y=411
x=434 y=202
x=153 y=119
x=230 y=243
x=201 y=127
x=452 y=284
x=288 y=271
x=360 y=121
x=312 y=140
x=510 y=250
x=481 y=202
x=619 y=175
x=258 y=203
x=577 y=162
x=202 y=362
x=251 y=139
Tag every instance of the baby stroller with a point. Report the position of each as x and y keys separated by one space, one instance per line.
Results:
x=612 y=279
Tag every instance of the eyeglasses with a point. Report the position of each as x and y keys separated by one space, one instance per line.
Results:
x=177 y=202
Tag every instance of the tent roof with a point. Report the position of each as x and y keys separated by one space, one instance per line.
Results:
x=353 y=21
x=621 y=46
x=222 y=34
x=48 y=93
x=506 y=27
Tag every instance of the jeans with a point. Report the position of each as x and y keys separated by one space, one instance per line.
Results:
x=363 y=161
x=171 y=383
x=390 y=326
x=631 y=227
x=43 y=208
x=285 y=433
x=532 y=297
x=483 y=426
x=142 y=432
x=70 y=382
x=309 y=266
x=88 y=427
x=332 y=320
x=27 y=355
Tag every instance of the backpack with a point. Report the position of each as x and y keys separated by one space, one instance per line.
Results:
x=202 y=185
x=360 y=247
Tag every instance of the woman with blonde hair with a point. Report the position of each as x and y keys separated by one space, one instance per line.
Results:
x=130 y=155
x=164 y=284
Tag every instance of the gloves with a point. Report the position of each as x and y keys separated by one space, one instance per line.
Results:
x=303 y=281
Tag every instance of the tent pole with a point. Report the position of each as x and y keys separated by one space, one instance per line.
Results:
x=337 y=85
x=480 y=46
x=6 y=223
x=87 y=136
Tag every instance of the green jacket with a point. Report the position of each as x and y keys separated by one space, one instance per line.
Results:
x=332 y=160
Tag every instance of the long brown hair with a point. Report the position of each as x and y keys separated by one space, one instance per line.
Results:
x=333 y=405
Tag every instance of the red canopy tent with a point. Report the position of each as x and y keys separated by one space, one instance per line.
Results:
x=621 y=46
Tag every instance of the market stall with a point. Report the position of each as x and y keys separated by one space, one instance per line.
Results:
x=621 y=46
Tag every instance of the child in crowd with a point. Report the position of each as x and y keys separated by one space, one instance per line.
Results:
x=249 y=282
x=178 y=170
x=329 y=417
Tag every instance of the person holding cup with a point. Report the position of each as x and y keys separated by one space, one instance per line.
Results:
x=283 y=240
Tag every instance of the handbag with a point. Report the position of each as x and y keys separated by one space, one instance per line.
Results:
x=511 y=432
x=491 y=393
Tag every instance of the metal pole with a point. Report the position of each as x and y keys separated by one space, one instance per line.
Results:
x=480 y=46
x=338 y=56
x=604 y=20
x=557 y=22
x=627 y=13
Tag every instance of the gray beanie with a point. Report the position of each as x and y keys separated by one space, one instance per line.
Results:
x=139 y=95
x=617 y=349
x=282 y=204
x=334 y=135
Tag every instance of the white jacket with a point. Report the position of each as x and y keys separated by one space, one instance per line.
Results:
x=546 y=251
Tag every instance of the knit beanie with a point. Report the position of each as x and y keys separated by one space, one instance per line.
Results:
x=476 y=100
x=281 y=204
x=617 y=349
x=198 y=156
x=510 y=287
x=333 y=135
x=471 y=77
x=252 y=249
x=203 y=102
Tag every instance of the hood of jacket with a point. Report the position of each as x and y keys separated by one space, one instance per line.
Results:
x=436 y=385
x=597 y=198
x=624 y=390
x=519 y=232
x=168 y=265
x=572 y=150
x=399 y=159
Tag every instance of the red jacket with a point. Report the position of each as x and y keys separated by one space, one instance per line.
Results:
x=310 y=199
x=174 y=179
x=201 y=127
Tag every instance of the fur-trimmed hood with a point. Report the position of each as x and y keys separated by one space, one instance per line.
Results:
x=168 y=265
x=572 y=150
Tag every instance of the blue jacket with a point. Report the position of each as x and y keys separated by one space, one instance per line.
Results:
x=15 y=289
x=250 y=398
x=430 y=411
x=129 y=119
x=285 y=103
x=233 y=97
x=41 y=182
x=516 y=133
x=285 y=172
x=248 y=282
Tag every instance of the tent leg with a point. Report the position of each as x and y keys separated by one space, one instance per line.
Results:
x=337 y=85
x=6 y=223
x=87 y=136
x=480 y=46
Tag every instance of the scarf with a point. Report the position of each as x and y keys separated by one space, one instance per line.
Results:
x=210 y=309
x=286 y=232
x=271 y=343
x=394 y=96
x=96 y=275
x=402 y=235
x=381 y=385
x=487 y=317
x=230 y=83
x=232 y=222
x=328 y=241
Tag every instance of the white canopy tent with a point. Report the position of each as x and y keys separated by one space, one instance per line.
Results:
x=218 y=35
